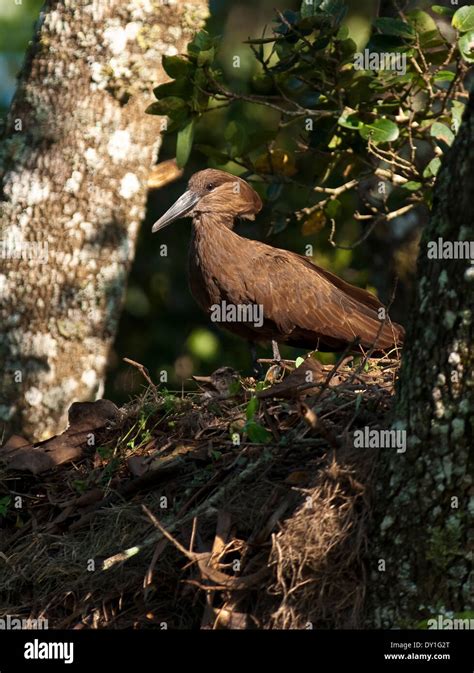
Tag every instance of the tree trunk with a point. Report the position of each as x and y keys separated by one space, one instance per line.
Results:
x=74 y=162
x=420 y=559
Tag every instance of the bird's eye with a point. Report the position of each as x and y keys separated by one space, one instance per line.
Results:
x=209 y=186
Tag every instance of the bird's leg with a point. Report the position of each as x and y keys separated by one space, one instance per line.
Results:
x=275 y=370
x=257 y=368
x=276 y=352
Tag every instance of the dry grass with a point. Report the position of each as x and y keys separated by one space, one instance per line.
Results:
x=170 y=521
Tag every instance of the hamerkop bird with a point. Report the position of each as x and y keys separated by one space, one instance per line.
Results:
x=263 y=293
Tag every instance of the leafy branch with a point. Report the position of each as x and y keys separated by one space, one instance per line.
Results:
x=357 y=119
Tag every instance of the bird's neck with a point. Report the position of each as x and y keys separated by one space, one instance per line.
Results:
x=210 y=231
x=212 y=238
x=212 y=249
x=206 y=221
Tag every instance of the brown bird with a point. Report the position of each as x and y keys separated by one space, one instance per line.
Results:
x=263 y=293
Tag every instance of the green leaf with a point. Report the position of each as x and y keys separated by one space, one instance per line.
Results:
x=421 y=21
x=342 y=33
x=202 y=41
x=349 y=120
x=337 y=9
x=457 y=111
x=463 y=19
x=359 y=90
x=444 y=11
x=347 y=48
x=397 y=27
x=213 y=153
x=309 y=8
x=184 y=143
x=432 y=168
x=379 y=42
x=236 y=135
x=181 y=88
x=155 y=109
x=257 y=433
x=431 y=39
x=442 y=132
x=380 y=131
x=466 y=46
x=177 y=66
x=174 y=108
x=199 y=98
x=299 y=361
x=412 y=186
x=206 y=57
x=444 y=76
x=4 y=504
x=252 y=408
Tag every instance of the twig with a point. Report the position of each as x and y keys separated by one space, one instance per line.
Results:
x=263 y=100
x=360 y=240
x=144 y=371
x=333 y=192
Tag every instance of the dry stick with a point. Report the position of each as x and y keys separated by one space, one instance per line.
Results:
x=333 y=192
x=163 y=543
x=126 y=554
x=222 y=580
x=263 y=100
x=272 y=361
x=144 y=371
x=360 y=240
x=373 y=347
x=221 y=537
x=342 y=360
x=163 y=174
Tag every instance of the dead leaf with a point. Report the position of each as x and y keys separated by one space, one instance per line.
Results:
x=138 y=465
x=300 y=380
x=314 y=223
x=84 y=418
x=297 y=478
x=14 y=442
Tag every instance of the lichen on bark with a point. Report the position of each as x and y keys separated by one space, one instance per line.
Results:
x=74 y=160
x=427 y=492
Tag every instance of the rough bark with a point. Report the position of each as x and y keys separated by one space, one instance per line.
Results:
x=74 y=161
x=421 y=518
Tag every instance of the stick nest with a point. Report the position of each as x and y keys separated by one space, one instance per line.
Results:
x=234 y=506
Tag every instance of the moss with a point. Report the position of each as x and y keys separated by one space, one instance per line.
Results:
x=449 y=319
x=458 y=428
x=445 y=543
x=443 y=279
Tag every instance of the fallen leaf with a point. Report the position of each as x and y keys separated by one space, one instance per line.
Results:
x=83 y=417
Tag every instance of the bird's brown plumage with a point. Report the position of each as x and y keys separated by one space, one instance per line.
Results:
x=303 y=304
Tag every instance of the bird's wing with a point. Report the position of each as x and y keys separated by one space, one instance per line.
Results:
x=299 y=296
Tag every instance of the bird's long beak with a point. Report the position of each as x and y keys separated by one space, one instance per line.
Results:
x=180 y=208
